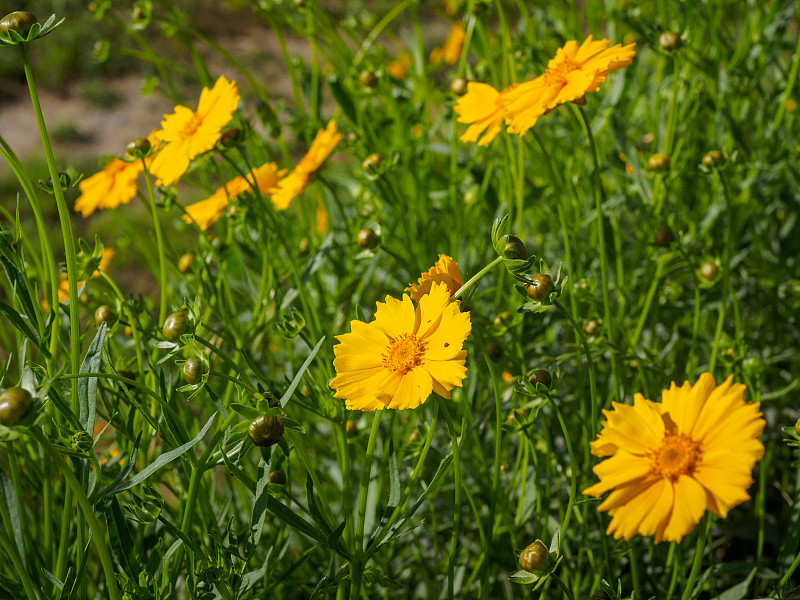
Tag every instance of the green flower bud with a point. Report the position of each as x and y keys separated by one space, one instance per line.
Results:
x=535 y=558
x=540 y=286
x=670 y=41
x=139 y=148
x=372 y=162
x=590 y=327
x=366 y=238
x=82 y=441
x=104 y=314
x=350 y=428
x=266 y=430
x=185 y=262
x=175 y=325
x=658 y=162
x=713 y=158
x=304 y=246
x=663 y=237
x=193 y=370
x=231 y=137
x=709 y=270
x=540 y=376
x=15 y=402
x=515 y=248
x=19 y=21
x=459 y=86
x=797 y=427
x=367 y=78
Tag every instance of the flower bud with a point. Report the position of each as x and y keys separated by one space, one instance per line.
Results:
x=128 y=331
x=515 y=248
x=590 y=327
x=266 y=430
x=670 y=41
x=797 y=427
x=193 y=370
x=540 y=286
x=709 y=270
x=458 y=86
x=231 y=137
x=516 y=415
x=19 y=21
x=540 y=376
x=658 y=162
x=367 y=78
x=104 y=314
x=277 y=478
x=139 y=148
x=366 y=238
x=15 y=402
x=663 y=237
x=535 y=558
x=175 y=325
x=372 y=162
x=185 y=262
x=350 y=428
x=713 y=158
x=304 y=246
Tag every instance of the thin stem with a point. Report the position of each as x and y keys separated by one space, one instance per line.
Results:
x=357 y=565
x=477 y=277
x=697 y=562
x=451 y=569
x=573 y=478
x=790 y=81
x=162 y=269
x=98 y=535
x=562 y=586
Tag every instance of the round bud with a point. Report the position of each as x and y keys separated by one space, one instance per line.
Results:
x=713 y=158
x=540 y=376
x=139 y=147
x=175 y=325
x=304 y=246
x=104 y=314
x=797 y=427
x=658 y=162
x=367 y=78
x=366 y=238
x=670 y=41
x=20 y=21
x=709 y=270
x=590 y=327
x=231 y=137
x=266 y=430
x=458 y=86
x=128 y=331
x=277 y=478
x=185 y=262
x=193 y=370
x=372 y=162
x=515 y=248
x=663 y=237
x=15 y=402
x=540 y=286
x=350 y=428
x=413 y=437
x=504 y=468
x=535 y=558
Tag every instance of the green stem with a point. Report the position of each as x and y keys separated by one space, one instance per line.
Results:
x=131 y=319
x=357 y=565
x=162 y=268
x=98 y=535
x=672 y=559
x=382 y=24
x=573 y=478
x=16 y=561
x=451 y=569
x=562 y=586
x=697 y=562
x=477 y=277
x=648 y=301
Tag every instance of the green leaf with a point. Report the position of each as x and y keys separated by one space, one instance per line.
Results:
x=262 y=493
x=738 y=591
x=296 y=381
x=9 y=498
x=87 y=386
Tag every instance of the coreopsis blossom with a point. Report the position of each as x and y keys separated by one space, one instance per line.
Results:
x=187 y=133
x=109 y=188
x=483 y=107
x=445 y=270
x=301 y=176
x=406 y=353
x=670 y=461
x=574 y=72
x=450 y=52
x=207 y=212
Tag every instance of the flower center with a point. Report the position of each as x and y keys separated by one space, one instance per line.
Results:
x=558 y=74
x=405 y=353
x=676 y=456
x=191 y=125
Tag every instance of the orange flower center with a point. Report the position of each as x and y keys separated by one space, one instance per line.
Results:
x=557 y=75
x=676 y=456
x=191 y=125
x=405 y=353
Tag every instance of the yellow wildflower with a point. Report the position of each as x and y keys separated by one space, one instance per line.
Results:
x=484 y=108
x=189 y=133
x=450 y=52
x=406 y=353
x=445 y=270
x=671 y=461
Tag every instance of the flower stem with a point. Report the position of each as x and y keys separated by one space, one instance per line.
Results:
x=98 y=535
x=562 y=586
x=357 y=564
x=162 y=270
x=698 y=559
x=573 y=478
x=477 y=277
x=451 y=569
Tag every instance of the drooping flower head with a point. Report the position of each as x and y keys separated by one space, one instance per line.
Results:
x=207 y=212
x=187 y=133
x=575 y=71
x=109 y=188
x=671 y=461
x=301 y=176
x=406 y=353
x=445 y=270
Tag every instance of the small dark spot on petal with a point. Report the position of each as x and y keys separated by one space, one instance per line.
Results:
x=446 y=344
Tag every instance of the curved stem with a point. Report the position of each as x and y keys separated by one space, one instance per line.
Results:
x=477 y=277
x=98 y=535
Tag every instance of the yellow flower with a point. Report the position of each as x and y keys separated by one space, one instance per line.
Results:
x=483 y=107
x=444 y=271
x=450 y=52
x=398 y=359
x=207 y=212
x=189 y=133
x=398 y=68
x=671 y=461
x=114 y=185
x=300 y=177
x=575 y=71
